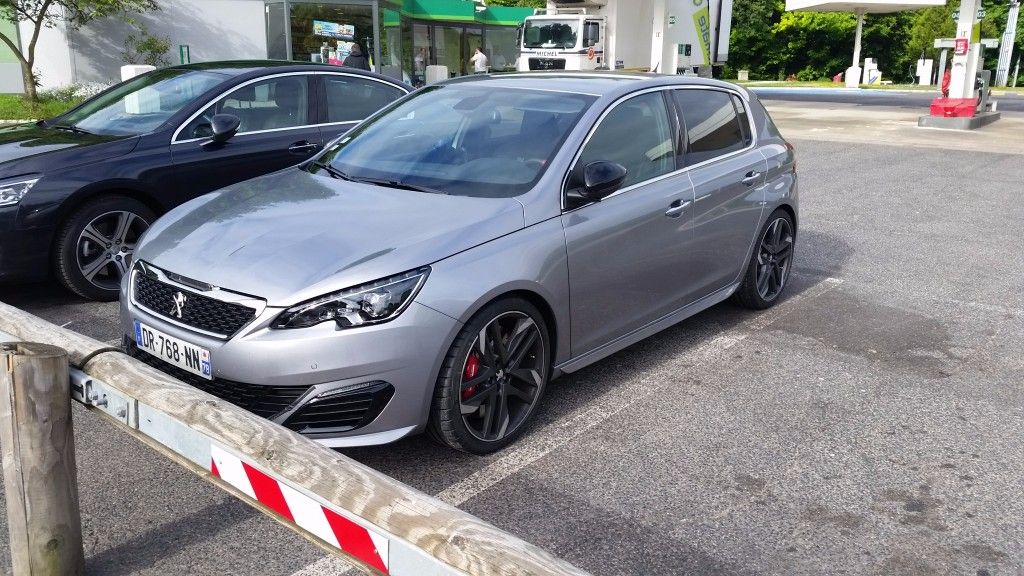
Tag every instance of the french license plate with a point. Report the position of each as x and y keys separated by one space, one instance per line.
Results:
x=188 y=357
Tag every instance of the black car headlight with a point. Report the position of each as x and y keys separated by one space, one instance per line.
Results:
x=12 y=191
x=371 y=303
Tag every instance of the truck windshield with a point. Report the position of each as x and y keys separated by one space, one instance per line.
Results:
x=551 y=34
x=459 y=139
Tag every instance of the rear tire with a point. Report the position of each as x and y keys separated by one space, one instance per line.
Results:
x=487 y=391
x=770 y=265
x=95 y=246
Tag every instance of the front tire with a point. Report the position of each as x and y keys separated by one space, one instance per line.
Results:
x=492 y=378
x=95 y=247
x=770 y=265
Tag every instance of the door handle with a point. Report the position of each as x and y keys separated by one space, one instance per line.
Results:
x=676 y=209
x=303 y=147
x=751 y=178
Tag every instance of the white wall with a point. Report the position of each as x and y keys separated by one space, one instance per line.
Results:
x=213 y=30
x=53 y=55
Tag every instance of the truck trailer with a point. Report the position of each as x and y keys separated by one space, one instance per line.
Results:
x=669 y=36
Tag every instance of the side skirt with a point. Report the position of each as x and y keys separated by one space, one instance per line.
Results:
x=605 y=350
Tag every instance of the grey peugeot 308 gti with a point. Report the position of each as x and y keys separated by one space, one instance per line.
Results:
x=436 y=267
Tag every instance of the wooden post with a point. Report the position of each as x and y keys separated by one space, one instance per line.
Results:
x=37 y=441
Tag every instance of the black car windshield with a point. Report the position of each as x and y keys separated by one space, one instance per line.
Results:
x=460 y=139
x=142 y=104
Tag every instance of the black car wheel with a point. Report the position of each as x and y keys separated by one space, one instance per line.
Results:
x=770 y=265
x=492 y=379
x=94 y=248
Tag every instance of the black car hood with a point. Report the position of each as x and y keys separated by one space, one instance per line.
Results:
x=29 y=148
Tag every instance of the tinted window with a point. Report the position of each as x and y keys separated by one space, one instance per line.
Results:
x=461 y=139
x=265 y=105
x=712 y=124
x=636 y=134
x=350 y=99
x=143 y=103
x=741 y=111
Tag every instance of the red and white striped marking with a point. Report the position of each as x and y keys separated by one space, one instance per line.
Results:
x=329 y=525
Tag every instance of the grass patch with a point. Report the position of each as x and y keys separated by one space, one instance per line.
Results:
x=15 y=107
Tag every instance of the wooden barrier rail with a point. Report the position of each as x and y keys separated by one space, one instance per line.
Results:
x=423 y=535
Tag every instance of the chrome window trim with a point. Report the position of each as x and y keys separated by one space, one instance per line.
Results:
x=259 y=306
x=631 y=95
x=177 y=132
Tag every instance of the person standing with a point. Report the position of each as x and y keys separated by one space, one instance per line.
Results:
x=479 y=61
x=356 y=58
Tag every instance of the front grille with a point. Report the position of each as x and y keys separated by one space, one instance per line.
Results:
x=206 y=314
x=265 y=401
x=343 y=412
x=547 y=64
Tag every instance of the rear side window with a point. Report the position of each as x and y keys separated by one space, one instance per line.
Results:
x=713 y=124
x=351 y=99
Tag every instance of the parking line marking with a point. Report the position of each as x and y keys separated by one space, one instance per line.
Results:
x=541 y=443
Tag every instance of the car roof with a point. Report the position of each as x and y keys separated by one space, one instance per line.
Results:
x=236 y=68
x=596 y=83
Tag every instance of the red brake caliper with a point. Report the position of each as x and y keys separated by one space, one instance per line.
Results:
x=469 y=372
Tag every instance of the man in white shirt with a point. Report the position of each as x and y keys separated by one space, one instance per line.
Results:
x=479 y=61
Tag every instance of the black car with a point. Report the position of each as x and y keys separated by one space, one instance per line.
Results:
x=78 y=190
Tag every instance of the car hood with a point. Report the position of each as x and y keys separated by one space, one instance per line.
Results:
x=291 y=236
x=32 y=148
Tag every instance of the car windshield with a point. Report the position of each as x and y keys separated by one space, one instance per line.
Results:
x=142 y=104
x=460 y=139
x=551 y=34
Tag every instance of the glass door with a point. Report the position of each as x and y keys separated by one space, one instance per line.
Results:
x=448 y=49
x=474 y=39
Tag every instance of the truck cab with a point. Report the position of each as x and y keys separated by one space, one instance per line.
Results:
x=563 y=40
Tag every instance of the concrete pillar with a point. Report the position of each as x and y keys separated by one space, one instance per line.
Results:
x=853 y=72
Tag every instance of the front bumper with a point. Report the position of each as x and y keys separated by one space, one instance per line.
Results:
x=24 y=253
x=394 y=367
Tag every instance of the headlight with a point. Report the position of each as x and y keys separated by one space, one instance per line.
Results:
x=12 y=192
x=371 y=303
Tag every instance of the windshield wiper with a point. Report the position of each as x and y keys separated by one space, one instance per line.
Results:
x=400 y=185
x=73 y=129
x=334 y=172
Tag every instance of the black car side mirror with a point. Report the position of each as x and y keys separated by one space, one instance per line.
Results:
x=224 y=127
x=601 y=179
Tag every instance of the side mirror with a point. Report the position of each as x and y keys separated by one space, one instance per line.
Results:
x=601 y=179
x=224 y=127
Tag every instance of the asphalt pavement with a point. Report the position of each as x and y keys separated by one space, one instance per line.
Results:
x=868 y=424
x=916 y=99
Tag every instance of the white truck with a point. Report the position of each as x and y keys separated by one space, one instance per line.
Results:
x=659 y=35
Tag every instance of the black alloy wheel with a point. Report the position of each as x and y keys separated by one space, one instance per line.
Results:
x=493 y=378
x=773 y=259
x=770 y=265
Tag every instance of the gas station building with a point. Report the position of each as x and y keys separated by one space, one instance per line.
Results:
x=401 y=37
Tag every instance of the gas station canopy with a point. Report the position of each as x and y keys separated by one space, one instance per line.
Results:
x=862 y=6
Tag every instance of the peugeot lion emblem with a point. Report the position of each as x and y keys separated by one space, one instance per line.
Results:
x=179 y=303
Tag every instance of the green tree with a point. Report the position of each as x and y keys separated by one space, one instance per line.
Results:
x=47 y=14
